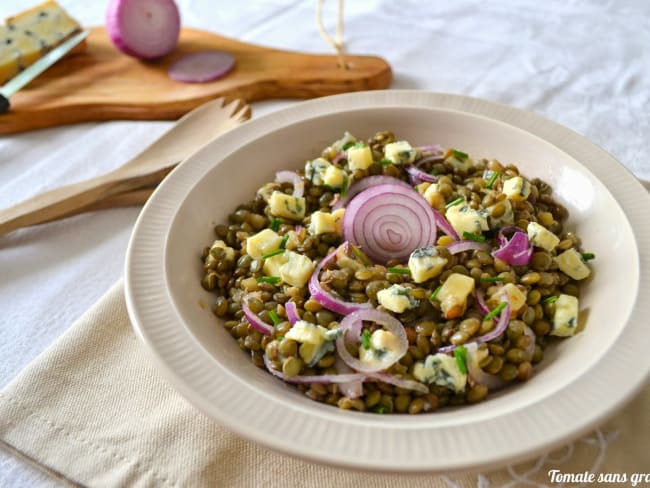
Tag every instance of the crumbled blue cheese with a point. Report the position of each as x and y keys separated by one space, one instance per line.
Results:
x=396 y=299
x=442 y=370
x=315 y=340
x=464 y=218
x=346 y=140
x=460 y=163
x=287 y=206
x=400 y=152
x=297 y=270
x=315 y=170
x=273 y=264
x=425 y=263
x=384 y=347
x=262 y=243
x=540 y=236
x=453 y=294
x=321 y=223
x=334 y=176
x=565 y=318
x=229 y=251
x=359 y=157
x=516 y=297
x=516 y=188
x=571 y=263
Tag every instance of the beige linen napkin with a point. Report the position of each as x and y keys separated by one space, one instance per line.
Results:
x=93 y=410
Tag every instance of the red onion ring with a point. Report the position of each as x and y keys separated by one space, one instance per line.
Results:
x=468 y=245
x=339 y=155
x=363 y=184
x=293 y=178
x=350 y=389
x=530 y=350
x=479 y=299
x=445 y=226
x=325 y=298
x=253 y=319
x=400 y=382
x=517 y=251
x=292 y=312
x=430 y=148
x=390 y=323
x=389 y=221
x=324 y=379
x=416 y=175
x=492 y=381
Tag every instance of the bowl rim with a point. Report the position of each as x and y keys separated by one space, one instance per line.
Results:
x=150 y=232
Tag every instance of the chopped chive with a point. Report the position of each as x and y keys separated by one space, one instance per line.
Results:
x=359 y=144
x=275 y=224
x=550 y=299
x=399 y=270
x=274 y=280
x=348 y=145
x=274 y=317
x=283 y=243
x=378 y=409
x=496 y=311
x=344 y=186
x=473 y=237
x=435 y=293
x=588 y=255
x=460 y=353
x=279 y=338
x=365 y=339
x=385 y=162
x=273 y=253
x=362 y=257
x=460 y=154
x=493 y=279
x=492 y=179
x=454 y=202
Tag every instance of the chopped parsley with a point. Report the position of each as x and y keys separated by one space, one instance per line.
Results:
x=365 y=339
x=550 y=299
x=275 y=224
x=399 y=270
x=473 y=237
x=492 y=179
x=455 y=202
x=274 y=253
x=274 y=317
x=460 y=353
x=496 y=311
x=274 y=280
x=435 y=293
x=459 y=154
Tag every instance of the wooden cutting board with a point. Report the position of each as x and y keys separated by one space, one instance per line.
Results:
x=104 y=84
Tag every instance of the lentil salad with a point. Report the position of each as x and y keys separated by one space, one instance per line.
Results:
x=390 y=278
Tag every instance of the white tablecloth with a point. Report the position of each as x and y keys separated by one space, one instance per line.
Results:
x=584 y=64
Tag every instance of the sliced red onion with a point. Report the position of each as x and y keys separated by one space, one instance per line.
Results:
x=294 y=178
x=417 y=176
x=339 y=155
x=325 y=298
x=390 y=324
x=474 y=370
x=364 y=184
x=479 y=299
x=517 y=251
x=292 y=312
x=428 y=159
x=202 y=66
x=468 y=245
x=350 y=389
x=389 y=221
x=430 y=148
x=400 y=382
x=530 y=350
x=145 y=29
x=253 y=319
x=324 y=379
x=445 y=226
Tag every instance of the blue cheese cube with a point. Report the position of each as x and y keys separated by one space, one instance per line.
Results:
x=516 y=188
x=540 y=236
x=262 y=243
x=338 y=215
x=306 y=333
x=425 y=263
x=453 y=294
x=287 y=206
x=297 y=270
x=515 y=295
x=315 y=170
x=384 y=347
x=334 y=177
x=565 y=318
x=464 y=218
x=571 y=263
x=400 y=152
x=321 y=223
x=396 y=299
x=273 y=264
x=344 y=141
x=359 y=157
x=442 y=370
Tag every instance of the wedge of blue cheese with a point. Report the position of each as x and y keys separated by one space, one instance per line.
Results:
x=315 y=340
x=400 y=152
x=287 y=206
x=571 y=263
x=29 y=35
x=425 y=263
x=383 y=349
x=565 y=318
x=540 y=236
x=442 y=370
x=464 y=218
x=396 y=298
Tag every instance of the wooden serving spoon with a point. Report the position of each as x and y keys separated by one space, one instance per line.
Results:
x=147 y=169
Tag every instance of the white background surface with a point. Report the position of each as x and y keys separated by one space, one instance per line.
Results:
x=584 y=64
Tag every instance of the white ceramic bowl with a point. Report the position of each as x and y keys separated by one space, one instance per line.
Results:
x=579 y=383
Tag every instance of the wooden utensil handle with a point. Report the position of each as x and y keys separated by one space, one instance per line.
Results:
x=72 y=199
